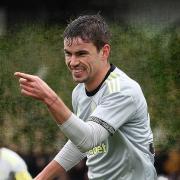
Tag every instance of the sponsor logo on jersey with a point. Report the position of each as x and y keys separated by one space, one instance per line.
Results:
x=98 y=150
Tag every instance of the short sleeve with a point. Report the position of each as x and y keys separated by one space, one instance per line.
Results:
x=115 y=109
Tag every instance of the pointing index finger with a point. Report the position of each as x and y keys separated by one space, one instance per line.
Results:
x=24 y=76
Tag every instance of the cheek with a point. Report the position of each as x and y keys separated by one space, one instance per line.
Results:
x=67 y=62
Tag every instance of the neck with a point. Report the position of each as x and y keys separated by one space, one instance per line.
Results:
x=90 y=86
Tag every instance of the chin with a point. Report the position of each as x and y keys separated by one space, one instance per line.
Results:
x=79 y=80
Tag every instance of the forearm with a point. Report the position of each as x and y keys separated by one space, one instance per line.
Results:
x=52 y=170
x=57 y=108
x=84 y=135
x=68 y=157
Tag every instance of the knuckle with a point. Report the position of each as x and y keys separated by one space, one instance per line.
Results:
x=22 y=91
x=20 y=80
x=36 y=78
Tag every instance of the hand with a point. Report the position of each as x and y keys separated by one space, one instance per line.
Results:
x=35 y=87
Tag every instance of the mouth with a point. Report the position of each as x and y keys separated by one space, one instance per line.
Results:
x=77 y=72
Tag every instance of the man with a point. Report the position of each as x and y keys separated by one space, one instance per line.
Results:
x=110 y=123
x=12 y=166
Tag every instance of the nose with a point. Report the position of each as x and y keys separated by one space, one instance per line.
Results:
x=73 y=61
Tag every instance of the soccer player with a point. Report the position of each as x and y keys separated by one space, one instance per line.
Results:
x=12 y=166
x=109 y=124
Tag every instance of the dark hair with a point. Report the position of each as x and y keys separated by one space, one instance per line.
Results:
x=90 y=28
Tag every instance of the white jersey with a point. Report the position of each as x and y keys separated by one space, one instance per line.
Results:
x=10 y=164
x=118 y=104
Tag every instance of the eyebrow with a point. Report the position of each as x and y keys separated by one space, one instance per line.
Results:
x=77 y=52
x=66 y=51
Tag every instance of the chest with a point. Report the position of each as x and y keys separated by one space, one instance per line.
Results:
x=85 y=107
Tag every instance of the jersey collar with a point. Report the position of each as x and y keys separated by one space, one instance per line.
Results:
x=92 y=93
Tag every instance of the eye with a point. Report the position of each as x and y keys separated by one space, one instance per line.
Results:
x=82 y=53
x=67 y=54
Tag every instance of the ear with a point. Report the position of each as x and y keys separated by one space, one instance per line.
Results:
x=105 y=51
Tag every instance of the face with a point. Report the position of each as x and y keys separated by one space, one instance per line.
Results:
x=83 y=60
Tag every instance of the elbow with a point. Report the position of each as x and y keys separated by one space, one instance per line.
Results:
x=86 y=145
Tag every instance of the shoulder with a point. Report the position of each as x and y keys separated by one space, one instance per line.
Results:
x=119 y=85
x=118 y=81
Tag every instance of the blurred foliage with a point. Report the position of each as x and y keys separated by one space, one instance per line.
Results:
x=149 y=54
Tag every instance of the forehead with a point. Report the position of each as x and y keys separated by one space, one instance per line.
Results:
x=77 y=42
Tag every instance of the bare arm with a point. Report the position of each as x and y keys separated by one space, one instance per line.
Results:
x=67 y=158
x=84 y=135
x=52 y=170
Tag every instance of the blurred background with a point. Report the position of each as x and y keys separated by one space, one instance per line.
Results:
x=145 y=44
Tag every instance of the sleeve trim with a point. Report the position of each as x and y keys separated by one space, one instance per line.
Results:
x=109 y=128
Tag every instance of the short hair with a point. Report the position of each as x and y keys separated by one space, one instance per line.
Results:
x=90 y=28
